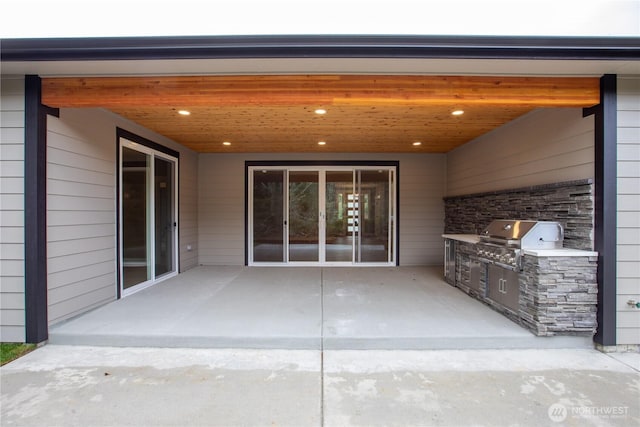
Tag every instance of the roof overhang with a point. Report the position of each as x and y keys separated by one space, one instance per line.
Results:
x=553 y=57
x=478 y=55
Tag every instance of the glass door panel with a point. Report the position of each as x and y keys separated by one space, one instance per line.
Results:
x=268 y=216
x=165 y=221
x=303 y=212
x=136 y=249
x=373 y=215
x=339 y=216
x=333 y=215
x=148 y=217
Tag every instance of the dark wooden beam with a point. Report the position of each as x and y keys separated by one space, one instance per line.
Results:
x=35 y=213
x=606 y=209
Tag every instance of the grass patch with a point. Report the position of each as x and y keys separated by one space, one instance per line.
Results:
x=11 y=351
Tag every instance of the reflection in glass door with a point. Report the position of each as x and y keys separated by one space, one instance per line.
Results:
x=148 y=217
x=268 y=216
x=165 y=221
x=135 y=221
x=303 y=216
x=339 y=216
x=373 y=216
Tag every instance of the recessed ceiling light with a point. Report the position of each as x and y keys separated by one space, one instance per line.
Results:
x=226 y=143
x=417 y=143
x=184 y=112
x=322 y=143
x=321 y=111
x=457 y=112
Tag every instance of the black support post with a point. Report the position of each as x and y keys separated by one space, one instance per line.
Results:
x=35 y=212
x=606 y=208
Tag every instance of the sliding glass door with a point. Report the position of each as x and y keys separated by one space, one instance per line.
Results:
x=373 y=216
x=339 y=208
x=303 y=227
x=135 y=220
x=321 y=216
x=165 y=225
x=148 y=217
x=268 y=219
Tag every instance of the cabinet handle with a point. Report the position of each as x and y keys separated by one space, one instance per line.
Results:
x=502 y=286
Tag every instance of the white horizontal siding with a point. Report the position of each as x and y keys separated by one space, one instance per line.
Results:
x=80 y=303
x=81 y=274
x=12 y=119
x=628 y=243
x=12 y=314
x=188 y=211
x=221 y=204
x=542 y=147
x=81 y=208
x=221 y=209
x=80 y=211
x=421 y=216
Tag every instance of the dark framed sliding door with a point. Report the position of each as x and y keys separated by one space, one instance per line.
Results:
x=321 y=215
x=339 y=223
x=147 y=217
x=374 y=216
x=303 y=228
x=268 y=216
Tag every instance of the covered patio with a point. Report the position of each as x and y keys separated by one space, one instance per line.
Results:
x=303 y=308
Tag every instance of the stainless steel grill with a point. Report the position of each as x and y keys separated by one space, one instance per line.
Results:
x=503 y=241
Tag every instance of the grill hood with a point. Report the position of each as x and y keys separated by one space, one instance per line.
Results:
x=526 y=234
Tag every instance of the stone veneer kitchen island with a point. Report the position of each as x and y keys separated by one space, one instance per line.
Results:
x=557 y=287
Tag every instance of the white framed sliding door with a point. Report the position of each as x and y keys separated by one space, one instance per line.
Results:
x=331 y=215
x=148 y=212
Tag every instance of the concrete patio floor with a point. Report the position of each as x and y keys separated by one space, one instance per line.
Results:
x=107 y=386
x=303 y=308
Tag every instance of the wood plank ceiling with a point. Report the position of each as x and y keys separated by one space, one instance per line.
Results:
x=363 y=113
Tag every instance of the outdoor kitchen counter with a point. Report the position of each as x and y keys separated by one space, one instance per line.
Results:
x=468 y=238
x=553 y=293
x=563 y=252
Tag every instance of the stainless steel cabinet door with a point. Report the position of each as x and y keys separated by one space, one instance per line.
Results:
x=504 y=287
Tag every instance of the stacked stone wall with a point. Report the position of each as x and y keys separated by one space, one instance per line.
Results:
x=569 y=203
x=559 y=295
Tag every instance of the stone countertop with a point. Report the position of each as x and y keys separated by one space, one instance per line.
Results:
x=563 y=252
x=468 y=238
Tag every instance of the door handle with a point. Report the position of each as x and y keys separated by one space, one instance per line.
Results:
x=502 y=286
